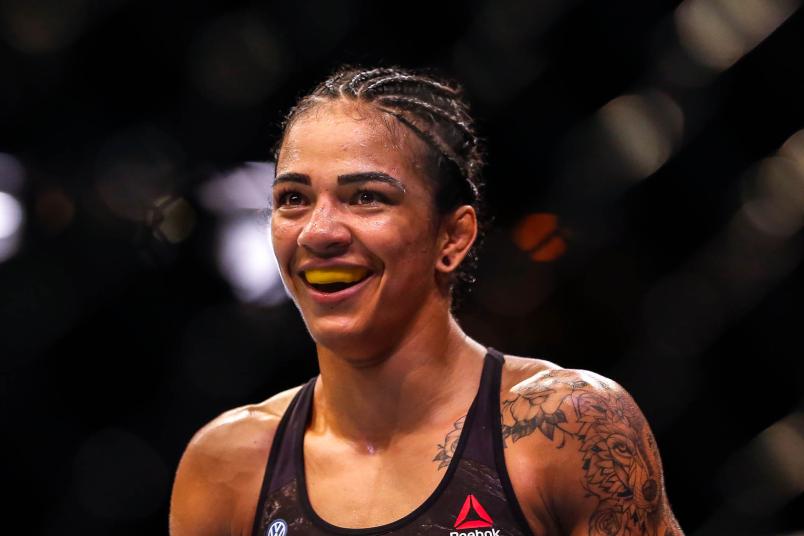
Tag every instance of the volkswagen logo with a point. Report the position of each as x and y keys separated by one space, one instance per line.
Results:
x=277 y=528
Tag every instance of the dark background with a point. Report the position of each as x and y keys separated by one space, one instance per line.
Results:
x=644 y=173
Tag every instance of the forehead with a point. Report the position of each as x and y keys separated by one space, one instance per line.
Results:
x=350 y=134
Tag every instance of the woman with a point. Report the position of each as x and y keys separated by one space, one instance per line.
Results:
x=411 y=427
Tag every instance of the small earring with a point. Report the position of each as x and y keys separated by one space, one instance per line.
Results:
x=445 y=260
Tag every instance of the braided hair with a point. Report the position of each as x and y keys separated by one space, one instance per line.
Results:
x=436 y=111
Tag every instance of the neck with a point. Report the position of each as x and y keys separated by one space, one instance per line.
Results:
x=420 y=380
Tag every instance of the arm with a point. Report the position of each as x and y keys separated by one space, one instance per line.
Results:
x=606 y=476
x=219 y=476
x=198 y=504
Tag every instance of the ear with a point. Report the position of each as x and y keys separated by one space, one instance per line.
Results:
x=457 y=233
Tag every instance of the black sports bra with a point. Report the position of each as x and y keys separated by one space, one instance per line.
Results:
x=474 y=498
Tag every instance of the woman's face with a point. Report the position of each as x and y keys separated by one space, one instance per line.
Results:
x=353 y=226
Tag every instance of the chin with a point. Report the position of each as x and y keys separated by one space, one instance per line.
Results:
x=335 y=332
x=355 y=343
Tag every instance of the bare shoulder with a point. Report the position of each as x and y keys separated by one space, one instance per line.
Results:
x=245 y=426
x=548 y=399
x=520 y=368
x=220 y=473
x=237 y=434
x=598 y=460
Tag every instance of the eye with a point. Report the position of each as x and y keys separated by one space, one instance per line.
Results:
x=369 y=197
x=289 y=198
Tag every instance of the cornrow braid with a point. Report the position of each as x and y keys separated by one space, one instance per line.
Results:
x=401 y=82
x=413 y=102
x=356 y=84
x=435 y=110
x=445 y=150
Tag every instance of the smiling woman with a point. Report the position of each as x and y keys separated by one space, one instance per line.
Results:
x=353 y=198
x=375 y=219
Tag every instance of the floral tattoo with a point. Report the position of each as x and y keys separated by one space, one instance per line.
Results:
x=447 y=449
x=617 y=448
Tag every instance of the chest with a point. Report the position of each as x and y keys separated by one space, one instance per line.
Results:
x=437 y=481
x=357 y=486
x=353 y=489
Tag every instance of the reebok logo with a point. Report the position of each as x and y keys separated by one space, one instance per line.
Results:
x=490 y=532
x=474 y=516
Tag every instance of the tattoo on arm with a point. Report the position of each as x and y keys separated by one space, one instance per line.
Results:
x=619 y=457
x=620 y=460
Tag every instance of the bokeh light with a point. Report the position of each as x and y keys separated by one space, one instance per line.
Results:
x=645 y=129
x=247 y=187
x=774 y=192
x=171 y=219
x=12 y=217
x=246 y=259
x=769 y=471
x=720 y=32
x=241 y=200
x=539 y=235
x=12 y=174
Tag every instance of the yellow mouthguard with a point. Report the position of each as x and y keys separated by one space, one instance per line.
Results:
x=335 y=275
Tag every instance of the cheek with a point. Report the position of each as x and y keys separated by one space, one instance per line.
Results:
x=283 y=240
x=405 y=245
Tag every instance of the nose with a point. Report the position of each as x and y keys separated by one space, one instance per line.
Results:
x=325 y=234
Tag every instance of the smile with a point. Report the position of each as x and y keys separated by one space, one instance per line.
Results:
x=328 y=285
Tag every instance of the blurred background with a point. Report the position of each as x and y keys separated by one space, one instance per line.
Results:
x=646 y=178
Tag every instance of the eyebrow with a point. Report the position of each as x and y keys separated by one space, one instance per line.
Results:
x=368 y=176
x=292 y=177
x=349 y=178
